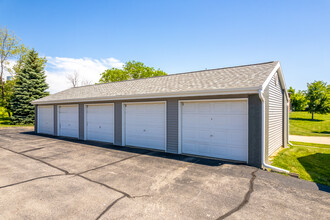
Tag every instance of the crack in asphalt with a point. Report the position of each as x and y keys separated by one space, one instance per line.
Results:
x=107 y=186
x=29 y=180
x=22 y=152
x=112 y=188
x=77 y=174
x=109 y=164
x=245 y=200
x=109 y=207
x=41 y=161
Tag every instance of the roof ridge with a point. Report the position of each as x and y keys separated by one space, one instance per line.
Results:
x=174 y=74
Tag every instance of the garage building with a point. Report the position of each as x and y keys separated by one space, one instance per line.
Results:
x=235 y=113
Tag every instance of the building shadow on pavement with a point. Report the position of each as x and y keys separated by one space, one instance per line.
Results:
x=155 y=153
x=318 y=167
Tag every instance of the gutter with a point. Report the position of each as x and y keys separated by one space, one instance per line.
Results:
x=288 y=127
x=264 y=164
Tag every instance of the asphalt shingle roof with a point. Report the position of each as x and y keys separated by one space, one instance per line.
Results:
x=239 y=77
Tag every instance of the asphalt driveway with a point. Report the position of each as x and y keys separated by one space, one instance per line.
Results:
x=56 y=178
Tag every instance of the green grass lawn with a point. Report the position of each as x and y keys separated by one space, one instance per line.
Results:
x=310 y=161
x=5 y=121
x=302 y=124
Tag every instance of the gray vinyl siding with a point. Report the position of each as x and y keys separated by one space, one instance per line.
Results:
x=172 y=120
x=36 y=118
x=118 y=123
x=55 y=121
x=81 y=123
x=255 y=130
x=172 y=125
x=274 y=116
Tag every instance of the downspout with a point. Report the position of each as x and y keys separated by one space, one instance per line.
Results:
x=261 y=96
x=289 y=122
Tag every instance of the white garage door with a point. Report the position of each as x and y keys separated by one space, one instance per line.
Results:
x=144 y=125
x=215 y=129
x=100 y=122
x=68 y=125
x=46 y=119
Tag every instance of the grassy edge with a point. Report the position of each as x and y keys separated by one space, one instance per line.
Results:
x=314 y=171
x=302 y=124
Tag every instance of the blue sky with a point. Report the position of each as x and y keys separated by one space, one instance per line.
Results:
x=175 y=36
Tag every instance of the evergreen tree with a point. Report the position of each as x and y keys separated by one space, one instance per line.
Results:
x=30 y=85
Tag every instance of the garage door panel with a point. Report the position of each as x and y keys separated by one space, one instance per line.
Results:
x=196 y=134
x=215 y=129
x=195 y=120
x=95 y=117
x=238 y=108
x=220 y=108
x=68 y=121
x=148 y=141
x=219 y=137
x=145 y=125
x=221 y=121
x=141 y=120
x=191 y=107
x=93 y=124
x=46 y=119
x=100 y=122
x=206 y=108
x=238 y=154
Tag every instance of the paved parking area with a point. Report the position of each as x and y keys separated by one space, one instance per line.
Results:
x=56 y=178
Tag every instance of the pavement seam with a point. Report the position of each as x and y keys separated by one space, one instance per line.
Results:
x=22 y=152
x=107 y=186
x=29 y=180
x=109 y=164
x=245 y=200
x=41 y=161
x=124 y=193
x=78 y=174
x=109 y=207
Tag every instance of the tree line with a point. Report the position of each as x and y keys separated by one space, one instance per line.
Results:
x=316 y=99
x=27 y=78
x=28 y=81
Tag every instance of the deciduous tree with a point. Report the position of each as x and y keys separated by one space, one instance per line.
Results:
x=131 y=70
x=8 y=94
x=297 y=99
x=73 y=78
x=318 y=96
x=10 y=47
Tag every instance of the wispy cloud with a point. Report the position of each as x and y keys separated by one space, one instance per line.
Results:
x=89 y=69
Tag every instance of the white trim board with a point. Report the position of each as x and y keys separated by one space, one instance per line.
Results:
x=277 y=69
